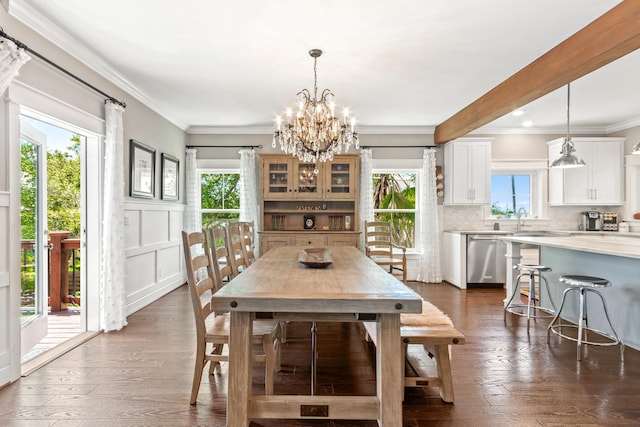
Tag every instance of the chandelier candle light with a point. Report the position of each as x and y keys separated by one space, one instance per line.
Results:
x=315 y=133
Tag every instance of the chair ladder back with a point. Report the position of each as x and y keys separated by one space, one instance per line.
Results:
x=201 y=277
x=220 y=252
x=248 y=240
x=378 y=238
x=234 y=237
x=379 y=247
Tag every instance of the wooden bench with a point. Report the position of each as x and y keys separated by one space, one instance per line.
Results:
x=434 y=332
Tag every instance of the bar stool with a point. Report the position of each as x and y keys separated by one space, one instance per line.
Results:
x=533 y=309
x=584 y=285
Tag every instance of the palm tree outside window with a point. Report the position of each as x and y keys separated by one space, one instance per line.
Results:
x=509 y=194
x=394 y=200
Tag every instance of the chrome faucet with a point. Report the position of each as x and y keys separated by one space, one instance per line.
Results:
x=519 y=214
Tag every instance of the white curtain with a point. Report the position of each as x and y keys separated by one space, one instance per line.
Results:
x=113 y=293
x=430 y=270
x=192 y=215
x=11 y=59
x=366 y=191
x=249 y=190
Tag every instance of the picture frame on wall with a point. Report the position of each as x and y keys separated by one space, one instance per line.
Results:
x=142 y=162
x=170 y=177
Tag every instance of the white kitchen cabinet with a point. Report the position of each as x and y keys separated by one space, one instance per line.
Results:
x=467 y=172
x=599 y=182
x=454 y=259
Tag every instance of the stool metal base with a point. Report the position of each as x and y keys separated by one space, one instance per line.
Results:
x=530 y=310
x=582 y=336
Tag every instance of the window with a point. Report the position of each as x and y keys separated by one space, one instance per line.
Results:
x=510 y=194
x=518 y=186
x=394 y=200
x=220 y=197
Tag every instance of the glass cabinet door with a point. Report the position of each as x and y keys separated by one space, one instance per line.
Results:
x=340 y=179
x=277 y=175
x=307 y=180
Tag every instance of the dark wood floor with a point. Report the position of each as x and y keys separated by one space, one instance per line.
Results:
x=141 y=376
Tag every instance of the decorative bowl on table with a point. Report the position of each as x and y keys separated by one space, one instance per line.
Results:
x=315 y=257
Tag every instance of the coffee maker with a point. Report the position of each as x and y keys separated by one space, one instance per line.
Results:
x=591 y=220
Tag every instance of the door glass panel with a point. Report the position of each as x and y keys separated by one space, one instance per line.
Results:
x=31 y=294
x=340 y=178
x=307 y=178
x=278 y=177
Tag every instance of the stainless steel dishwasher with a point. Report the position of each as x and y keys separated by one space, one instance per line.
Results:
x=486 y=262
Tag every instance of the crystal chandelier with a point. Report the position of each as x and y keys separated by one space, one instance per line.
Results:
x=315 y=133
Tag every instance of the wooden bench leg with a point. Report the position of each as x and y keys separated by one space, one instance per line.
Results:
x=443 y=363
x=405 y=347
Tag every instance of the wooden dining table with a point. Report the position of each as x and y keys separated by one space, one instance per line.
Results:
x=352 y=288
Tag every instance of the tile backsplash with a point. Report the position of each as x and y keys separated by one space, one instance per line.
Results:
x=560 y=218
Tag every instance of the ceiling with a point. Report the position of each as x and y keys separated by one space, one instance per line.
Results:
x=398 y=66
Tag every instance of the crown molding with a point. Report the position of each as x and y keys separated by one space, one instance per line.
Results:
x=575 y=130
x=585 y=130
x=229 y=130
x=396 y=130
x=31 y=17
x=627 y=124
x=264 y=130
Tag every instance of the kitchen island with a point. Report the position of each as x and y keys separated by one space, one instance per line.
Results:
x=614 y=257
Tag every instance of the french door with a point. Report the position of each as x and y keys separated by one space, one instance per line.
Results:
x=34 y=277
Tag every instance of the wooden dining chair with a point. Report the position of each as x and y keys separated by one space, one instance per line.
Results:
x=247 y=231
x=212 y=329
x=379 y=247
x=220 y=252
x=237 y=251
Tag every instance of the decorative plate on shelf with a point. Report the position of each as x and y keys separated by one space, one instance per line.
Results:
x=315 y=257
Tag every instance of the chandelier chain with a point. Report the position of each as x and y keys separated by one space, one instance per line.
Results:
x=315 y=78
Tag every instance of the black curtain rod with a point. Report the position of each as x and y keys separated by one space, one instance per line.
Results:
x=400 y=146
x=225 y=146
x=58 y=67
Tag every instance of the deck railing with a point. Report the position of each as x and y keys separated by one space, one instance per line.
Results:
x=64 y=283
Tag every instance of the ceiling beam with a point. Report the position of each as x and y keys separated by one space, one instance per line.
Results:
x=611 y=36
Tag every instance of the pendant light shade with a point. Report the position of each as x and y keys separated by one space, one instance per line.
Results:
x=567 y=159
x=636 y=148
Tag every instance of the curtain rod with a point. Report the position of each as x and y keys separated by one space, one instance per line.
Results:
x=400 y=146
x=224 y=146
x=21 y=45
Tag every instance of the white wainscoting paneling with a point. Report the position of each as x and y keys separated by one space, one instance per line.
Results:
x=154 y=226
x=132 y=229
x=153 y=250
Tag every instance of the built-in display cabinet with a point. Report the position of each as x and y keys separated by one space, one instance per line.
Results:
x=599 y=182
x=467 y=172
x=308 y=204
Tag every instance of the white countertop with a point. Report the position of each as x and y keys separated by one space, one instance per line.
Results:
x=616 y=244
x=507 y=232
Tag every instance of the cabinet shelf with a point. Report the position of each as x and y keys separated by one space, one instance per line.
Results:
x=305 y=212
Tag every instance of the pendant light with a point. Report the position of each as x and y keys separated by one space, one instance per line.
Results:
x=567 y=159
x=636 y=148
